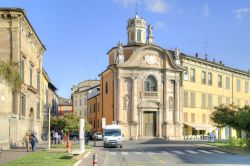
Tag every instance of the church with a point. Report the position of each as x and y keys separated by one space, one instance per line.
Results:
x=155 y=92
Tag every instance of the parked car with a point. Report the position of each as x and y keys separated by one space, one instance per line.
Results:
x=98 y=136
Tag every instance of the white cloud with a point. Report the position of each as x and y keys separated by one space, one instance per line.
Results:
x=242 y=12
x=160 y=25
x=125 y=3
x=157 y=6
x=206 y=11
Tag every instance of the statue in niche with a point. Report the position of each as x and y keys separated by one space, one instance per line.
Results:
x=126 y=102
x=171 y=103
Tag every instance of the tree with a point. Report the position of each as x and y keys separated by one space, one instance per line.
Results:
x=68 y=123
x=238 y=118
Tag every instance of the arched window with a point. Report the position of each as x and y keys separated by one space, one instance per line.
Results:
x=139 y=35
x=150 y=84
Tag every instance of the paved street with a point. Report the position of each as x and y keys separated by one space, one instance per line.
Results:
x=159 y=152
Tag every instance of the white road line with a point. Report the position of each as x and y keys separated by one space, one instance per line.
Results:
x=150 y=153
x=164 y=152
x=124 y=153
x=191 y=151
x=178 y=152
x=138 y=153
x=217 y=151
x=112 y=153
x=204 y=151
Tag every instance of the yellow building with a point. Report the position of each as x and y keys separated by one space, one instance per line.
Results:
x=207 y=84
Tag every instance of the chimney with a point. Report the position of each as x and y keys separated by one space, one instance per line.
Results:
x=196 y=55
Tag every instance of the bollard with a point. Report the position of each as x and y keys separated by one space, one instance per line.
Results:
x=94 y=159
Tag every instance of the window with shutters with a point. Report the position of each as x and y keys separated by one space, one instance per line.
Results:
x=238 y=85
x=23 y=103
x=31 y=75
x=192 y=117
x=227 y=82
x=14 y=102
x=185 y=117
x=38 y=110
x=210 y=101
x=192 y=99
x=23 y=69
x=220 y=81
x=38 y=81
x=203 y=118
x=192 y=75
x=185 y=75
x=219 y=100
x=203 y=100
x=203 y=77
x=246 y=86
x=209 y=79
x=185 y=99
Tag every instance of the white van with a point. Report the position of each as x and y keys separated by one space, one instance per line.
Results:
x=112 y=136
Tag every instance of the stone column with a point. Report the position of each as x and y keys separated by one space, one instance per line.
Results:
x=134 y=100
x=165 y=108
x=119 y=101
x=160 y=121
x=177 y=101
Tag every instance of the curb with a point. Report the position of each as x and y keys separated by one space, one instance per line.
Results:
x=79 y=161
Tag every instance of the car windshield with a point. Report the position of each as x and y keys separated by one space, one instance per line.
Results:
x=112 y=132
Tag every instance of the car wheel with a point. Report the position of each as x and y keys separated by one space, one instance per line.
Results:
x=120 y=146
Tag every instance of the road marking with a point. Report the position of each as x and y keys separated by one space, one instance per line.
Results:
x=217 y=151
x=150 y=153
x=138 y=152
x=178 y=152
x=124 y=153
x=164 y=152
x=191 y=151
x=112 y=153
x=204 y=151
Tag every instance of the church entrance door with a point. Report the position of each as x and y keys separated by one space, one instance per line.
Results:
x=149 y=119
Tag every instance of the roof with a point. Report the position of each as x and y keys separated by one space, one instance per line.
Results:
x=214 y=64
x=24 y=14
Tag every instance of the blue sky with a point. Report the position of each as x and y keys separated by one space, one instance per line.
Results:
x=78 y=33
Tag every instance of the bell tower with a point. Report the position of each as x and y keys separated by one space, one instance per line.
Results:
x=136 y=30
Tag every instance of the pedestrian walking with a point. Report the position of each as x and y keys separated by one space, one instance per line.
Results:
x=33 y=141
x=26 y=140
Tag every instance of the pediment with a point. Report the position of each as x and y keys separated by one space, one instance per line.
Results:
x=150 y=57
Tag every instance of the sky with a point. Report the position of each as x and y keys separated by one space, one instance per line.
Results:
x=78 y=33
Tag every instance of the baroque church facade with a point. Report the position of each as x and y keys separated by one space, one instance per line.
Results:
x=154 y=92
x=141 y=87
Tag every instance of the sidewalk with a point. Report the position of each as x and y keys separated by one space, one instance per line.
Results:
x=13 y=154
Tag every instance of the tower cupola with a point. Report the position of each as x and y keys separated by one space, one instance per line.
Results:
x=136 y=30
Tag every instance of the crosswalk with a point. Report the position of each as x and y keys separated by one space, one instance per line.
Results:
x=175 y=152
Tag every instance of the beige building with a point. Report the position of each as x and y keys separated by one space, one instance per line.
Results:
x=79 y=94
x=20 y=112
x=151 y=91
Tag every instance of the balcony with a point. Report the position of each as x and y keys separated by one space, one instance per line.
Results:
x=149 y=94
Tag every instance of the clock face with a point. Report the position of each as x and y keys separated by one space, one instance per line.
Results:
x=151 y=59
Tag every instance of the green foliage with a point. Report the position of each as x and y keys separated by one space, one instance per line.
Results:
x=237 y=142
x=10 y=75
x=68 y=123
x=223 y=116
